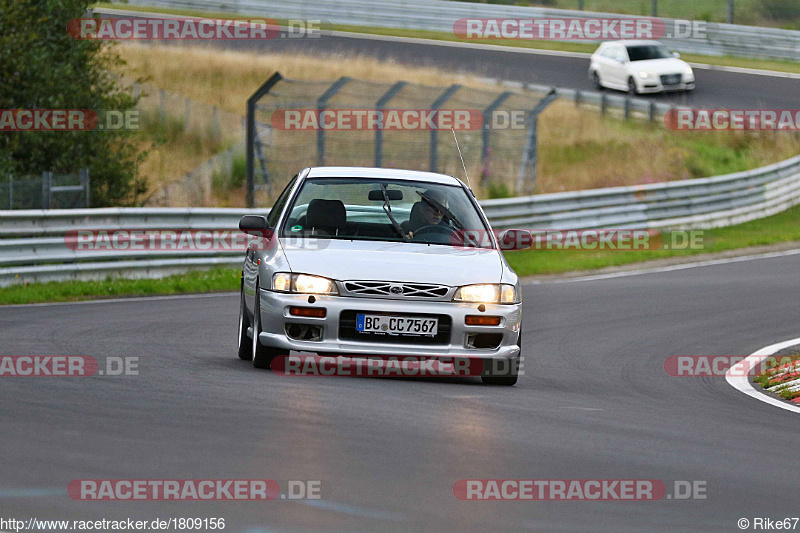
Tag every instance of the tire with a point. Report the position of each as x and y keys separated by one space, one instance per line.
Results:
x=632 y=89
x=596 y=81
x=508 y=376
x=262 y=355
x=245 y=348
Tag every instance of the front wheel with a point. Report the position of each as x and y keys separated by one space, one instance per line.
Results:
x=245 y=348
x=262 y=355
x=502 y=372
x=632 y=89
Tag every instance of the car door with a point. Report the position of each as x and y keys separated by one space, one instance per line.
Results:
x=618 y=66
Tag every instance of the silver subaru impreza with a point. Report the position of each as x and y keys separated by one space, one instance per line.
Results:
x=374 y=262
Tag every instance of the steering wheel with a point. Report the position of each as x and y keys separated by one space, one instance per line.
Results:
x=444 y=231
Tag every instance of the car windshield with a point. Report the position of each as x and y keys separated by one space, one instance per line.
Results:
x=383 y=210
x=643 y=52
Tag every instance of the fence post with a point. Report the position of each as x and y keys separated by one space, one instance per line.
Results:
x=84 y=176
x=531 y=155
x=603 y=103
x=655 y=8
x=250 y=133
x=626 y=108
x=46 y=177
x=486 y=130
x=439 y=102
x=730 y=11
x=380 y=105
x=651 y=111
x=322 y=102
x=11 y=191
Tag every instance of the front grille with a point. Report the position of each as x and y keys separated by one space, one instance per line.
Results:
x=347 y=330
x=670 y=79
x=389 y=289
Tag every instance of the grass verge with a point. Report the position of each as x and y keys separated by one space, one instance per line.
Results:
x=783 y=227
x=213 y=280
x=578 y=147
x=729 y=61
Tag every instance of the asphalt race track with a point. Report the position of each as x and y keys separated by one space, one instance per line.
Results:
x=715 y=88
x=595 y=403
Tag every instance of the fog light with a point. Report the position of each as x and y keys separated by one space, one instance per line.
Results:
x=476 y=320
x=315 y=312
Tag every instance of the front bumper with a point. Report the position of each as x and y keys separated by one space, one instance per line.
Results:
x=655 y=86
x=275 y=317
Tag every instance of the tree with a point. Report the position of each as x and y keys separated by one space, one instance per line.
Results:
x=43 y=67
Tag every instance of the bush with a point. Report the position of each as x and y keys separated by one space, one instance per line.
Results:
x=42 y=67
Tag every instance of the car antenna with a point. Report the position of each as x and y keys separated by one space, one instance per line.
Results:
x=461 y=157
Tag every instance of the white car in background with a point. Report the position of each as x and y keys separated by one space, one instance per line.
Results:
x=639 y=67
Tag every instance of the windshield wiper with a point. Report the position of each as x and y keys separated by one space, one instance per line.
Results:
x=448 y=215
x=388 y=210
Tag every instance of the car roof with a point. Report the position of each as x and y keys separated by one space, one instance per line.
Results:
x=370 y=172
x=632 y=42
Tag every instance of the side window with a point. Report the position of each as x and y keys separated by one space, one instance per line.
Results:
x=280 y=203
x=621 y=54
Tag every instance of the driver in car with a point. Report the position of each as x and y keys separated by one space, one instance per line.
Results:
x=423 y=214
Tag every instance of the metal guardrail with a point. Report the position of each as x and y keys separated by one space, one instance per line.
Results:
x=33 y=246
x=440 y=15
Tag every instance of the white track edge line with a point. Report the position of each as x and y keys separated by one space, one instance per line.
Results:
x=742 y=383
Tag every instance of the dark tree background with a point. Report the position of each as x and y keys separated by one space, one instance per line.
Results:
x=42 y=67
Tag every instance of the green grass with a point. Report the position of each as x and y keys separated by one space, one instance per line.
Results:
x=783 y=227
x=763 y=64
x=216 y=279
x=779 y=228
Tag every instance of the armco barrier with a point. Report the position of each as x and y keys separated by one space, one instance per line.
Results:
x=440 y=15
x=33 y=247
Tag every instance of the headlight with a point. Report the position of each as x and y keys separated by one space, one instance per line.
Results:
x=488 y=293
x=303 y=283
x=646 y=75
x=689 y=72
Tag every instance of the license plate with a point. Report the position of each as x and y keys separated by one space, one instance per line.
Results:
x=396 y=325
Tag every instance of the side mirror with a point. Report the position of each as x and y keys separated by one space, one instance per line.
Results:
x=255 y=225
x=676 y=54
x=515 y=239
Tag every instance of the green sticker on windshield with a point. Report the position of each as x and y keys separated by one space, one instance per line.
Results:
x=297 y=228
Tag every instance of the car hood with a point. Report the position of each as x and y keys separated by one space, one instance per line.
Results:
x=395 y=261
x=667 y=65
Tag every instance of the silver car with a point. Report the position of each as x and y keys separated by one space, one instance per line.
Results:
x=373 y=262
